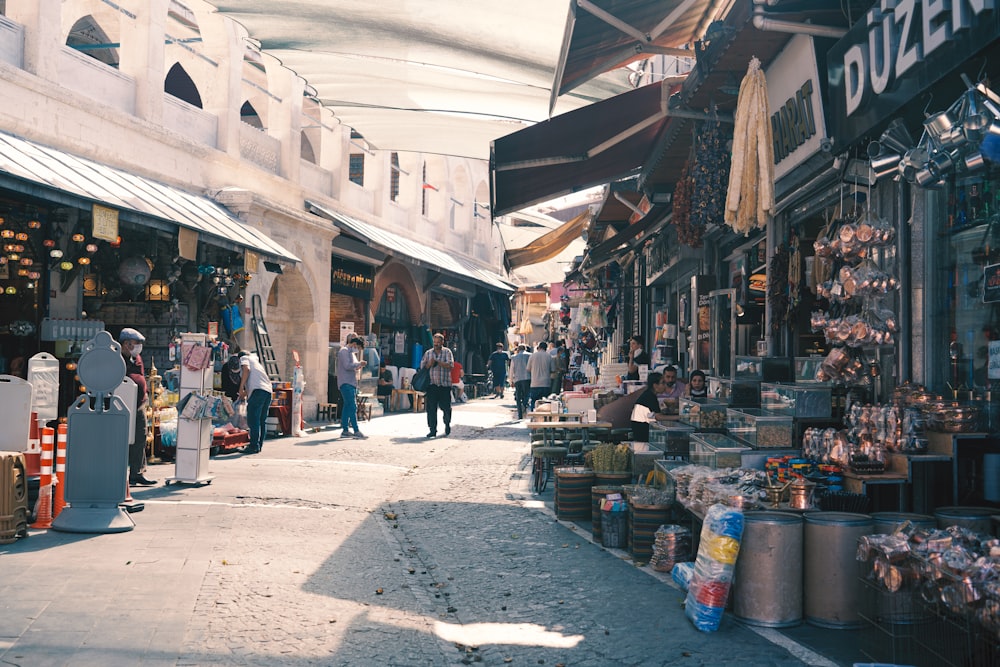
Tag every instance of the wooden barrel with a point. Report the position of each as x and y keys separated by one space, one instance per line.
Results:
x=573 y=492
x=597 y=494
x=643 y=522
x=613 y=478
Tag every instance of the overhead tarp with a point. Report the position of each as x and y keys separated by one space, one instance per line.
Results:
x=434 y=76
x=627 y=239
x=601 y=35
x=420 y=254
x=591 y=146
x=38 y=165
x=550 y=244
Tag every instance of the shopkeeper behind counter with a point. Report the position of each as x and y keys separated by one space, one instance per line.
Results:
x=647 y=408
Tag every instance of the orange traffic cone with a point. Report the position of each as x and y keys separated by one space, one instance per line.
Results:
x=59 y=498
x=43 y=517
x=33 y=453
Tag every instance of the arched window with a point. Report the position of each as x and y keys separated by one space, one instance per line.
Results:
x=392 y=308
x=180 y=85
x=249 y=116
x=307 y=150
x=87 y=37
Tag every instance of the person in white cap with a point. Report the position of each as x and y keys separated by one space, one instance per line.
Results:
x=131 y=342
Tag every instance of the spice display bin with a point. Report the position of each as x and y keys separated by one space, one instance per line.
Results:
x=806 y=367
x=805 y=400
x=738 y=393
x=760 y=429
x=768 y=369
x=715 y=450
x=673 y=440
x=702 y=413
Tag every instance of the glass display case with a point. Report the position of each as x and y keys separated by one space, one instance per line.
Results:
x=705 y=414
x=759 y=428
x=739 y=393
x=805 y=400
x=673 y=440
x=642 y=455
x=806 y=367
x=716 y=450
x=769 y=369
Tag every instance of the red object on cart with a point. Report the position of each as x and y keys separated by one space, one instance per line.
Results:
x=225 y=441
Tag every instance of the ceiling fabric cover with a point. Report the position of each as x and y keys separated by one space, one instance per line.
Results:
x=595 y=145
x=431 y=76
x=592 y=45
x=550 y=244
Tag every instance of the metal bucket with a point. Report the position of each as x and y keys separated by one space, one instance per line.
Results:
x=573 y=492
x=767 y=582
x=831 y=588
x=978 y=519
x=887 y=522
x=597 y=494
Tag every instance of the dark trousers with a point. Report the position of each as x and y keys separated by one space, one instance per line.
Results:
x=521 y=389
x=257 y=408
x=536 y=393
x=438 y=397
x=137 y=450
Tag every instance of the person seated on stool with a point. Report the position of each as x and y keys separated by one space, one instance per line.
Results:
x=384 y=389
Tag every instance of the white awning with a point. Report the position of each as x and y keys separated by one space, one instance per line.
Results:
x=97 y=183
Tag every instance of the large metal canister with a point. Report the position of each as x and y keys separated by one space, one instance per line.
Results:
x=767 y=583
x=978 y=519
x=887 y=522
x=832 y=590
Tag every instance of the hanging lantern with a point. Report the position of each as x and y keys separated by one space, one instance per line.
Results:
x=11 y=290
x=66 y=266
x=34 y=275
x=83 y=261
x=117 y=242
x=79 y=238
x=34 y=224
x=158 y=290
x=91 y=248
x=7 y=233
x=27 y=261
x=21 y=236
x=55 y=253
x=49 y=243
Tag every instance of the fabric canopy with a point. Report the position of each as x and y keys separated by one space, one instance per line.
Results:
x=590 y=146
x=550 y=244
x=602 y=35
x=432 y=76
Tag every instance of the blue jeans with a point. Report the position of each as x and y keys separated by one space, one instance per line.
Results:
x=349 y=418
x=257 y=408
x=536 y=393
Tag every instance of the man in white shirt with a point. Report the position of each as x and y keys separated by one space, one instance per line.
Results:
x=540 y=369
x=521 y=379
x=255 y=389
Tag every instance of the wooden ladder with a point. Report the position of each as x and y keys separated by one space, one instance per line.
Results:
x=262 y=340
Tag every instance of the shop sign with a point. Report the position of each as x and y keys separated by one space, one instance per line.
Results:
x=793 y=92
x=346 y=330
x=353 y=279
x=105 y=223
x=900 y=48
x=991 y=283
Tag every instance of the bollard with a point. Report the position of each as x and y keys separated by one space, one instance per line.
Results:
x=59 y=496
x=43 y=518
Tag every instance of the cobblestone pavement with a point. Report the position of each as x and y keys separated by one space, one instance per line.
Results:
x=396 y=550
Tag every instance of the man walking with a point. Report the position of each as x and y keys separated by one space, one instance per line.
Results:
x=439 y=360
x=521 y=379
x=348 y=365
x=540 y=369
x=498 y=363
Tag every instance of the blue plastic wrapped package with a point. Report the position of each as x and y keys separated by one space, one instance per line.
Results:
x=168 y=433
x=724 y=521
x=703 y=617
x=681 y=574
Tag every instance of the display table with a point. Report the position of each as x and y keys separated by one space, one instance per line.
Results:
x=556 y=416
x=416 y=399
x=549 y=429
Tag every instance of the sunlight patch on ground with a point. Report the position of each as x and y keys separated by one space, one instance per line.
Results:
x=523 y=634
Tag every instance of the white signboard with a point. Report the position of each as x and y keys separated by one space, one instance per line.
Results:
x=43 y=374
x=346 y=329
x=793 y=94
x=994 y=370
x=400 y=344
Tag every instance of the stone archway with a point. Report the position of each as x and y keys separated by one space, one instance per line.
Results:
x=397 y=273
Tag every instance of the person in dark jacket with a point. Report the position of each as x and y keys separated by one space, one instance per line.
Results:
x=636 y=356
x=648 y=399
x=131 y=342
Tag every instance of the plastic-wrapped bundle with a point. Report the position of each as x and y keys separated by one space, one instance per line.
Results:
x=708 y=590
x=682 y=573
x=671 y=544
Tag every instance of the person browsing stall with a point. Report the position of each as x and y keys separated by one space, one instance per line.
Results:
x=438 y=360
x=131 y=342
x=255 y=389
x=348 y=365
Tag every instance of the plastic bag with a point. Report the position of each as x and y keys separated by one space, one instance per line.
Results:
x=239 y=419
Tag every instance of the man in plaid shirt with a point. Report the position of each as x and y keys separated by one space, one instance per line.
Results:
x=439 y=360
